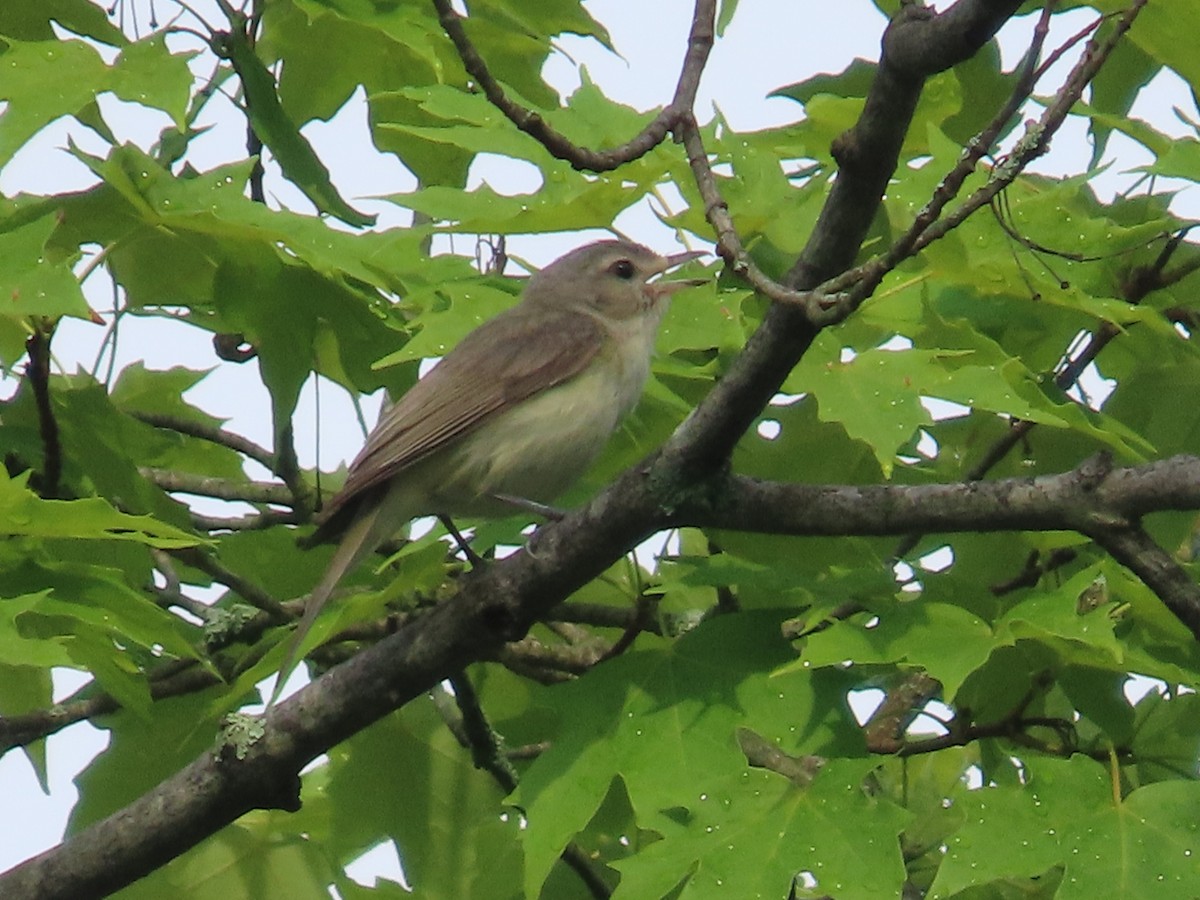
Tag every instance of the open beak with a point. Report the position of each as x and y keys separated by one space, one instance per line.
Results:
x=667 y=288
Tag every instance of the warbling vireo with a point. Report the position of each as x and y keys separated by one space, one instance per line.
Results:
x=519 y=409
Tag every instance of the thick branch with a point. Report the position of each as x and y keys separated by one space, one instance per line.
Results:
x=1032 y=145
x=1135 y=550
x=1066 y=502
x=867 y=156
x=1094 y=499
x=499 y=604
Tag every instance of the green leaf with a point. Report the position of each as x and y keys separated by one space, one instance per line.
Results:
x=759 y=831
x=1055 y=614
x=142 y=751
x=28 y=21
x=146 y=72
x=1166 y=736
x=659 y=718
x=35 y=280
x=24 y=513
x=1157 y=33
x=138 y=390
x=26 y=689
x=41 y=81
x=1148 y=840
x=564 y=202
x=281 y=324
x=239 y=862
x=411 y=756
x=278 y=132
x=1022 y=831
x=434 y=151
x=852 y=81
x=725 y=16
x=450 y=312
x=1115 y=88
x=35 y=651
x=552 y=17
x=45 y=79
x=97 y=447
x=946 y=641
x=876 y=396
x=330 y=47
x=86 y=616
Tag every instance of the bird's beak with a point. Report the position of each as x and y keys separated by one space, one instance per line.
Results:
x=680 y=258
x=667 y=288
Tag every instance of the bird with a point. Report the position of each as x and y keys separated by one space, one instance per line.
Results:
x=513 y=414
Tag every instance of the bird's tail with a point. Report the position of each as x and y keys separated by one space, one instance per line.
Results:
x=366 y=532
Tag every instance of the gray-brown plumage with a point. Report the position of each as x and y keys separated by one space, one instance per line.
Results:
x=519 y=408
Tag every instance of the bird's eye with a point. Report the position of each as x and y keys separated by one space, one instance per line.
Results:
x=622 y=268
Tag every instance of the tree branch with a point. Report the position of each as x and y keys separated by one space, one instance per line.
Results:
x=1094 y=499
x=500 y=603
x=243 y=587
x=252 y=522
x=210 y=433
x=1137 y=551
x=220 y=488
x=38 y=375
x=700 y=42
x=1140 y=282
x=928 y=226
x=177 y=677
x=475 y=733
x=867 y=157
x=1067 y=502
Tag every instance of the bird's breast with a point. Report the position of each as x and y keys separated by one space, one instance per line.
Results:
x=540 y=446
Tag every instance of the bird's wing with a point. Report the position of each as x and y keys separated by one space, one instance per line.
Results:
x=527 y=351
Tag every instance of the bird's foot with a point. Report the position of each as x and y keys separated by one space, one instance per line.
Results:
x=464 y=545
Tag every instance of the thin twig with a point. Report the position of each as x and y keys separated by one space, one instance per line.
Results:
x=183 y=677
x=700 y=42
x=1038 y=134
x=485 y=744
x=252 y=522
x=1137 y=286
x=1130 y=545
x=220 y=488
x=243 y=587
x=643 y=615
x=872 y=273
x=210 y=433
x=476 y=734
x=1036 y=141
x=575 y=659
x=1034 y=570
x=172 y=594
x=884 y=731
x=287 y=467
x=38 y=374
x=716 y=211
x=601 y=616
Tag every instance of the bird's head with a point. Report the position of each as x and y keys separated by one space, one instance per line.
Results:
x=611 y=278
